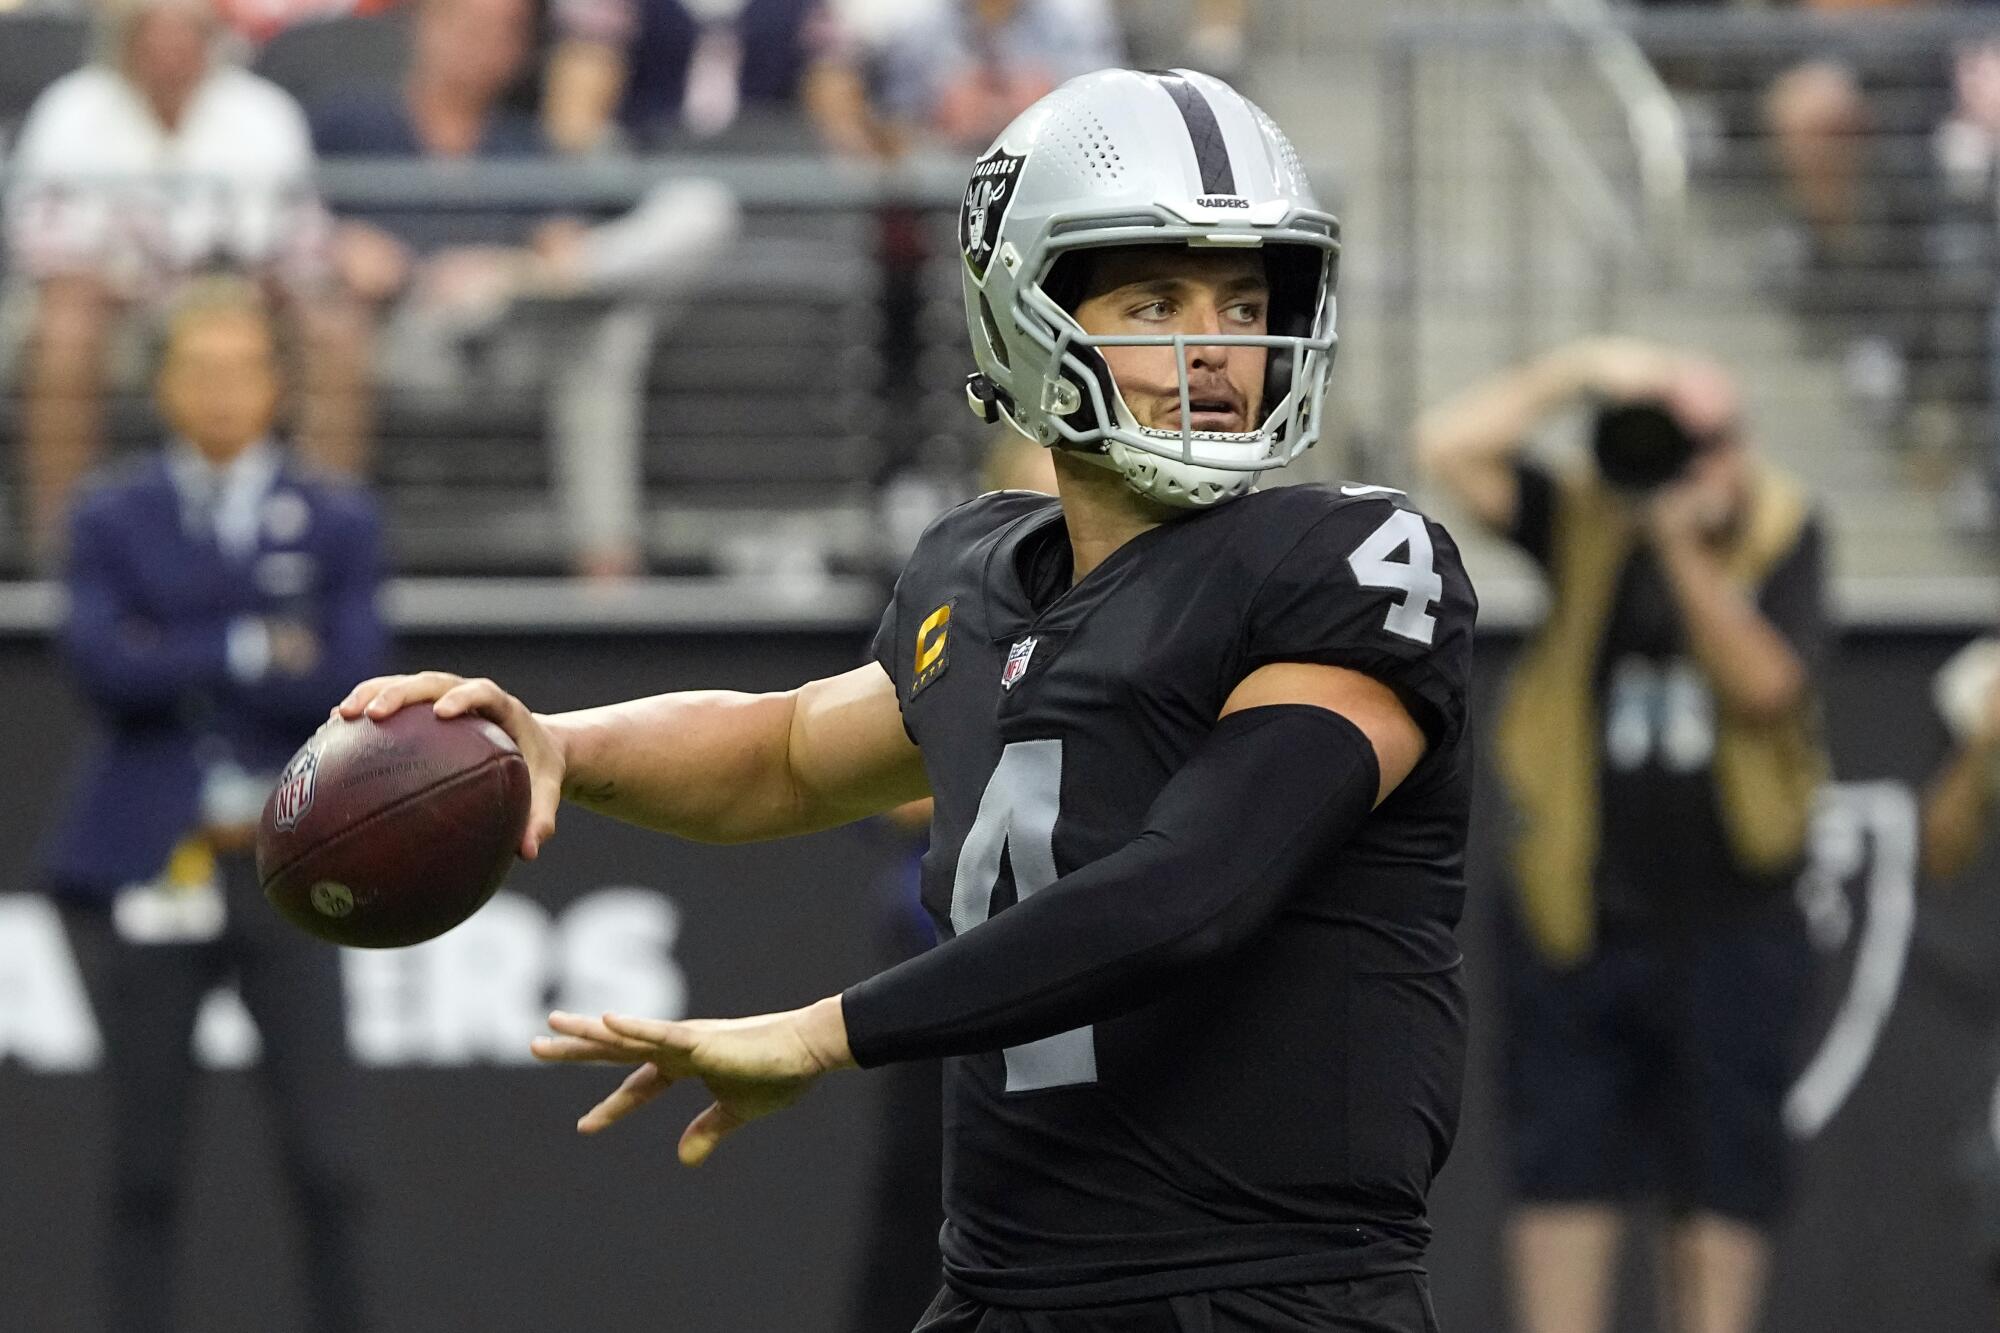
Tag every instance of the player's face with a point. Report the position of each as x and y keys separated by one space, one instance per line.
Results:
x=475 y=45
x=1162 y=290
x=166 y=53
x=219 y=386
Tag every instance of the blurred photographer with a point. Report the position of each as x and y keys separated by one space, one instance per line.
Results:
x=220 y=601
x=1959 y=801
x=1659 y=747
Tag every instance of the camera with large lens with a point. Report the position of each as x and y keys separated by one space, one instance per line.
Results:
x=1640 y=445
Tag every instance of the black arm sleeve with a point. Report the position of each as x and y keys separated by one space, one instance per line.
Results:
x=1267 y=798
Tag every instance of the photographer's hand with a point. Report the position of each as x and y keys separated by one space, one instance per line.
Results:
x=1750 y=665
x=1469 y=443
x=1694 y=509
x=1617 y=369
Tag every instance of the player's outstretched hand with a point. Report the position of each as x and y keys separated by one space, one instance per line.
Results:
x=750 y=1066
x=454 y=696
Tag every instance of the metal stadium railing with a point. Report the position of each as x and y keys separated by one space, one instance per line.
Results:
x=1551 y=174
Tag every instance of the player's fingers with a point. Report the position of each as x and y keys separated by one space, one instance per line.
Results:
x=362 y=695
x=577 y=1050
x=403 y=690
x=706 y=1130
x=485 y=698
x=656 y=1032
x=640 y=1086
x=593 y=1029
x=543 y=799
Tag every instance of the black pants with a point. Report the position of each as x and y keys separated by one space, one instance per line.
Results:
x=147 y=997
x=1657 y=1068
x=1390 y=1303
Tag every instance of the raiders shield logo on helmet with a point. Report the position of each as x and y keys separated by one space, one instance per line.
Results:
x=986 y=196
x=294 y=795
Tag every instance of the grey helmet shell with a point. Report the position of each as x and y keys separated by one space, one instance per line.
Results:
x=1123 y=158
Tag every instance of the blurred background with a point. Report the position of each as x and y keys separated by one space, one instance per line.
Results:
x=635 y=328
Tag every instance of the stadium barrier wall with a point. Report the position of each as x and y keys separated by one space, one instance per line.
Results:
x=488 y=1212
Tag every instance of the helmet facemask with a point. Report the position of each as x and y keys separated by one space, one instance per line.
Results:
x=1086 y=412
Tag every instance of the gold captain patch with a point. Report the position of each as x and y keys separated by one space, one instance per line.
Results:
x=933 y=648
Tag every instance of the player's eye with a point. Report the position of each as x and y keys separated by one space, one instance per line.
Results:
x=1246 y=312
x=1154 y=310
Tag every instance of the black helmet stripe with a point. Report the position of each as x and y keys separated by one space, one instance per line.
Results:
x=1211 y=151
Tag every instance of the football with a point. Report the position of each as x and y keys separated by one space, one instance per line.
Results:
x=382 y=834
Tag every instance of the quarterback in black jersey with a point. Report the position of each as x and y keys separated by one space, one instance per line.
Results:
x=1199 y=761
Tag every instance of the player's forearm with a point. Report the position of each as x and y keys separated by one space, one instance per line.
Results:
x=710 y=765
x=1755 y=673
x=1956 y=809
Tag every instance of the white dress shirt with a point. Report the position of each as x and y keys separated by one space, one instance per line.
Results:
x=100 y=185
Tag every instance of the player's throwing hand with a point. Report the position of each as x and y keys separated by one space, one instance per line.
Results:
x=751 y=1066
x=454 y=696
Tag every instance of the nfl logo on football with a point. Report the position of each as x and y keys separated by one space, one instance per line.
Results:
x=1017 y=663
x=294 y=795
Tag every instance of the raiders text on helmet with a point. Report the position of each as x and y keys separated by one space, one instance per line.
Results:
x=1122 y=158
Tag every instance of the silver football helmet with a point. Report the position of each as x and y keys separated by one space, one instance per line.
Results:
x=1122 y=158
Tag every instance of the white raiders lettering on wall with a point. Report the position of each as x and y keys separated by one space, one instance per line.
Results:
x=473 y=996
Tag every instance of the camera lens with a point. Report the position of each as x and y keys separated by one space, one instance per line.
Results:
x=1639 y=445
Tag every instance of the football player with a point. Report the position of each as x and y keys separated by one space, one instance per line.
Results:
x=1199 y=761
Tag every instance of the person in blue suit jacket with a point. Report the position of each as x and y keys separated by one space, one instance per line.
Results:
x=220 y=602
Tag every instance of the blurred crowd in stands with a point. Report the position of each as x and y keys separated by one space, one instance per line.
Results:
x=147 y=141
x=150 y=141
x=1881 y=126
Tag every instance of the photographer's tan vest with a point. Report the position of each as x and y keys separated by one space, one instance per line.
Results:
x=1547 y=737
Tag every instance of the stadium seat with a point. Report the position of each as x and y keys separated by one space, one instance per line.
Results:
x=35 y=51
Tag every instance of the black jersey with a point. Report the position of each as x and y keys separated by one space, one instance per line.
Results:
x=1277 y=1116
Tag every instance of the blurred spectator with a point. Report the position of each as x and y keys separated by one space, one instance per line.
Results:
x=1904 y=241
x=1958 y=813
x=1958 y=805
x=1967 y=151
x=1839 y=123
x=1659 y=745
x=468 y=54
x=1822 y=110
x=1217 y=37
x=954 y=70
x=655 y=70
x=220 y=602
x=131 y=174
x=450 y=282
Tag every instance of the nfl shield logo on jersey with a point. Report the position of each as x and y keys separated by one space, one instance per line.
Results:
x=294 y=794
x=1017 y=663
